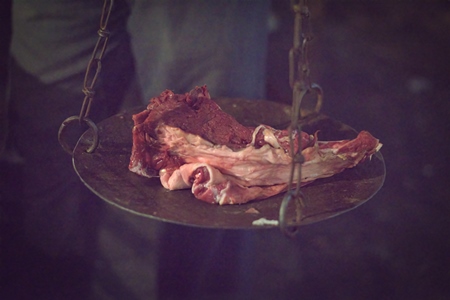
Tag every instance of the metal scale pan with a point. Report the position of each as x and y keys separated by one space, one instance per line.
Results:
x=106 y=173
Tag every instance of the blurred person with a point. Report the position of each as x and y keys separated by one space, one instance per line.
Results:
x=89 y=248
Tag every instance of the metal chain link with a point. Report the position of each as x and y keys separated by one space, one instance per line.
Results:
x=90 y=78
x=299 y=79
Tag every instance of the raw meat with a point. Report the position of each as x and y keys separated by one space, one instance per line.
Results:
x=189 y=142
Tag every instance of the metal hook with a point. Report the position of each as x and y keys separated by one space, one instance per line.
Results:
x=319 y=101
x=287 y=228
x=62 y=130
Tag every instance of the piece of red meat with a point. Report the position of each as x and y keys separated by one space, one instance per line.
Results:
x=189 y=142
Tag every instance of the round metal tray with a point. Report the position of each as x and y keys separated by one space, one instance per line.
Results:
x=106 y=173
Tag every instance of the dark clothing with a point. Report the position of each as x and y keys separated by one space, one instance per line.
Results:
x=154 y=45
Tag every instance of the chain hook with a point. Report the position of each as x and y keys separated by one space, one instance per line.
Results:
x=90 y=78
x=287 y=228
x=87 y=121
x=299 y=80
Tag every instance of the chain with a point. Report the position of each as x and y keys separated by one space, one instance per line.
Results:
x=90 y=78
x=300 y=82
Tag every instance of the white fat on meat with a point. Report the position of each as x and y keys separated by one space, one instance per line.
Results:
x=269 y=136
x=218 y=188
x=250 y=166
x=250 y=173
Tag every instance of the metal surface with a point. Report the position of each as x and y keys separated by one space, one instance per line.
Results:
x=106 y=173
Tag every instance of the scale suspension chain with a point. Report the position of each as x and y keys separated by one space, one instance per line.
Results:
x=90 y=78
x=301 y=85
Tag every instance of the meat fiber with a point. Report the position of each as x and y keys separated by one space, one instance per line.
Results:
x=189 y=142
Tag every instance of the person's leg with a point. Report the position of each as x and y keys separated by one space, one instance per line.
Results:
x=127 y=261
x=51 y=45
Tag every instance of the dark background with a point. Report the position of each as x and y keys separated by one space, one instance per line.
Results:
x=384 y=67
